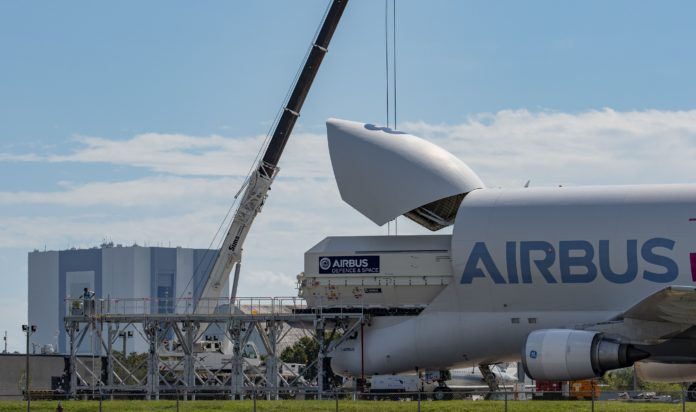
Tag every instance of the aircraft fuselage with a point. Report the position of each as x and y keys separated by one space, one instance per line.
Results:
x=537 y=258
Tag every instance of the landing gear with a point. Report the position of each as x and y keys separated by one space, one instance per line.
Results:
x=490 y=379
x=691 y=392
x=442 y=393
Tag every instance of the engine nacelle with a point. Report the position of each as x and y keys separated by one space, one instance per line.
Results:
x=567 y=354
x=666 y=372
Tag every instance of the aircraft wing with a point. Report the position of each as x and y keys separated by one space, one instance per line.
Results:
x=663 y=324
x=674 y=304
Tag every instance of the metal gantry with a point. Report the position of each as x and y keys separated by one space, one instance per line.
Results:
x=180 y=361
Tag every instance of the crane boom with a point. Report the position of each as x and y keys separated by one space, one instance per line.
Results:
x=259 y=183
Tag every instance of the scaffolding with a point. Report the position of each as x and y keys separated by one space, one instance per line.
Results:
x=181 y=361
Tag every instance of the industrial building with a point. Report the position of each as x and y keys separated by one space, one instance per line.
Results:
x=152 y=276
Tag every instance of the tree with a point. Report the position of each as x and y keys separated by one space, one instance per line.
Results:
x=622 y=380
x=304 y=351
x=135 y=366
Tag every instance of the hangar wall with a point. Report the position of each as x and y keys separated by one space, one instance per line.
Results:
x=112 y=272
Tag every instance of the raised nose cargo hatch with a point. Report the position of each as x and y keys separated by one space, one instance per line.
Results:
x=384 y=173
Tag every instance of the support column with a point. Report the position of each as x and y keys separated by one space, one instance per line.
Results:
x=191 y=330
x=319 y=328
x=73 y=360
x=237 y=377
x=110 y=358
x=272 y=363
x=489 y=378
x=151 y=330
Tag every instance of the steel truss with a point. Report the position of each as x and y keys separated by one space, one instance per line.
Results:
x=173 y=366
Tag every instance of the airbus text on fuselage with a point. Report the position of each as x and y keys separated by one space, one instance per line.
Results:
x=579 y=261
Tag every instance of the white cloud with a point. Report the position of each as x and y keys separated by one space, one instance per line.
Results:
x=594 y=147
x=9 y=157
x=505 y=148
x=261 y=279
x=168 y=153
x=155 y=191
x=189 y=155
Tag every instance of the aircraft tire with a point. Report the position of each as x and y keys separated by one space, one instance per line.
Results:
x=442 y=393
x=691 y=392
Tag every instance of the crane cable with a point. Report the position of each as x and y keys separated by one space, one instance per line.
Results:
x=394 y=55
x=386 y=53
x=393 y=78
x=396 y=219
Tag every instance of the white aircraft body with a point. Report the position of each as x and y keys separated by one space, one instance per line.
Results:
x=574 y=281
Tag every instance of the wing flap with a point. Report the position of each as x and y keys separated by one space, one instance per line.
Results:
x=674 y=304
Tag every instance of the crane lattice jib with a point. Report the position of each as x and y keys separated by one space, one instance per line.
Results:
x=303 y=84
x=259 y=183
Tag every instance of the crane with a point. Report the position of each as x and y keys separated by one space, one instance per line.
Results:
x=260 y=180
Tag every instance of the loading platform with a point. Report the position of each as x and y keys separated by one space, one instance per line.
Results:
x=183 y=360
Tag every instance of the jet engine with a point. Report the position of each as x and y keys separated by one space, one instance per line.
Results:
x=567 y=354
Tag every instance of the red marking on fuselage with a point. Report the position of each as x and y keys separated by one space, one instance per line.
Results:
x=692 y=219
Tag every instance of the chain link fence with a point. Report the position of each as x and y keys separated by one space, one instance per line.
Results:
x=342 y=400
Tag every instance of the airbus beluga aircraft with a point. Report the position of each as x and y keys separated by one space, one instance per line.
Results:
x=574 y=281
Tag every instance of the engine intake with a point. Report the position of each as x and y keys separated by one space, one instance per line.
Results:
x=567 y=354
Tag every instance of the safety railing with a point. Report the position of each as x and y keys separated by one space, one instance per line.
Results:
x=145 y=306
x=181 y=306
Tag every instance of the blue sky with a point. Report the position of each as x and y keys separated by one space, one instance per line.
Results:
x=136 y=121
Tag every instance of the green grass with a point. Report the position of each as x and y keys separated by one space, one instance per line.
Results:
x=344 y=405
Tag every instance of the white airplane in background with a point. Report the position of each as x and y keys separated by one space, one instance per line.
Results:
x=574 y=281
x=472 y=378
